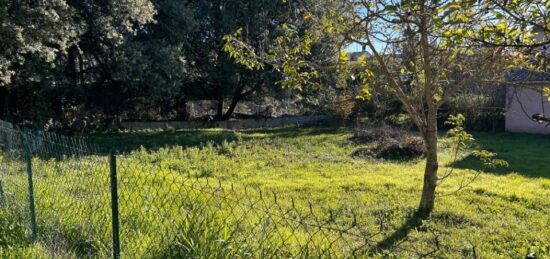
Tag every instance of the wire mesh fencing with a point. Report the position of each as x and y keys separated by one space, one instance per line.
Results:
x=80 y=202
x=13 y=174
x=60 y=186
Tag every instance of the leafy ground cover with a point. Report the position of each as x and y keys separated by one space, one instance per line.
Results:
x=502 y=214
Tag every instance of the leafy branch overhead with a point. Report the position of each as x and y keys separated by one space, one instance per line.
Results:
x=296 y=68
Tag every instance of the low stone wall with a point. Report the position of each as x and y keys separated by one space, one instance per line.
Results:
x=231 y=124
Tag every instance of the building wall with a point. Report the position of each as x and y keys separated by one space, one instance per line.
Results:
x=521 y=104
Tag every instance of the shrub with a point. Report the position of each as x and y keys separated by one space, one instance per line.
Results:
x=483 y=105
x=363 y=135
x=388 y=143
x=341 y=107
x=398 y=149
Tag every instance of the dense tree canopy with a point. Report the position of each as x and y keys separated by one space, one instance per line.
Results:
x=52 y=49
x=83 y=58
x=31 y=31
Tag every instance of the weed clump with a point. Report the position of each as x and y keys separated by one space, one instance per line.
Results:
x=369 y=135
x=388 y=143
x=12 y=233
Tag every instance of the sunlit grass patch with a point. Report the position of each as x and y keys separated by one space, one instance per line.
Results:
x=260 y=193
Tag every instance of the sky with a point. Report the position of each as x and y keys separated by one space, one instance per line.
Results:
x=354 y=47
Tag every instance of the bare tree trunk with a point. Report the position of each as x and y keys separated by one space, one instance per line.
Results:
x=219 y=110
x=5 y=103
x=430 y=173
x=72 y=69
x=429 y=133
x=238 y=95
x=234 y=101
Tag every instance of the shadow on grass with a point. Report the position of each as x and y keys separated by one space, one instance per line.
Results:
x=527 y=154
x=295 y=132
x=127 y=142
x=75 y=240
x=414 y=221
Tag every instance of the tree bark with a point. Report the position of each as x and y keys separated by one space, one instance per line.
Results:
x=236 y=98
x=72 y=67
x=427 y=200
x=429 y=131
x=238 y=95
x=219 y=110
x=5 y=104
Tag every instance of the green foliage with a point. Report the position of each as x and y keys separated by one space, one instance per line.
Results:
x=462 y=139
x=56 y=25
x=52 y=48
x=204 y=234
x=457 y=134
x=12 y=232
x=44 y=37
x=188 y=41
x=307 y=47
x=489 y=158
x=483 y=106
x=95 y=54
x=26 y=252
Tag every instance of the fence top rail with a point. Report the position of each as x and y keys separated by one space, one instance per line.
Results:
x=51 y=143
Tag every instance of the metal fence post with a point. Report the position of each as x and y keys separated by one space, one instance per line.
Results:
x=2 y=196
x=114 y=206
x=28 y=159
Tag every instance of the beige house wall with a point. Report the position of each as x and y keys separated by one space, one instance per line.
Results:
x=521 y=104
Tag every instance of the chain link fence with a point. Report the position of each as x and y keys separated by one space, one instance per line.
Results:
x=60 y=186
x=80 y=202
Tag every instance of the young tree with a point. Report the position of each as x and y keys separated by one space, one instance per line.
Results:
x=424 y=51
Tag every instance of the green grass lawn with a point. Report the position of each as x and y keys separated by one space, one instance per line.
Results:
x=504 y=213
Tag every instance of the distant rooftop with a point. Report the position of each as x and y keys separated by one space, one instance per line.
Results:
x=354 y=56
x=526 y=75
